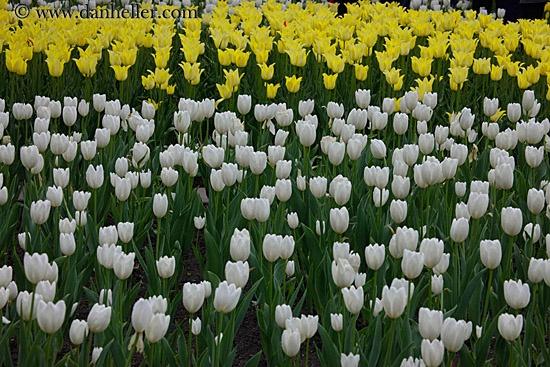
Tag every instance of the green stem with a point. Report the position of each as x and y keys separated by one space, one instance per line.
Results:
x=390 y=341
x=190 y=339
x=486 y=305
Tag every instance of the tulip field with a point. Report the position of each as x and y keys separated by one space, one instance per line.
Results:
x=366 y=190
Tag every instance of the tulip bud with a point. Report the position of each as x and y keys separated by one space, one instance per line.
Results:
x=429 y=323
x=511 y=221
x=290 y=342
x=193 y=296
x=535 y=200
x=99 y=318
x=394 y=301
x=166 y=266
x=196 y=326
x=226 y=297
x=398 y=210
x=289 y=269
x=510 y=326
x=454 y=333
x=160 y=205
x=537 y=270
x=460 y=229
x=412 y=263
x=78 y=331
x=353 y=299
x=157 y=327
x=282 y=313
x=237 y=273
x=517 y=294
x=477 y=204
x=432 y=352
x=437 y=284
x=339 y=219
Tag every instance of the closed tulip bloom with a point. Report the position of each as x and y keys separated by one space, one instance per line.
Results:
x=432 y=248
x=94 y=176
x=289 y=268
x=378 y=148
x=244 y=103
x=196 y=326
x=293 y=221
x=353 y=299
x=55 y=196
x=237 y=273
x=283 y=169
x=157 y=327
x=169 y=176
x=247 y=208
x=510 y=326
x=531 y=232
x=535 y=200
x=282 y=313
x=537 y=270
x=362 y=98
x=374 y=255
x=108 y=235
x=106 y=254
x=398 y=210
x=123 y=264
x=336 y=152
x=318 y=186
x=67 y=243
x=199 y=222
x=410 y=154
x=306 y=132
x=459 y=229
x=394 y=301
x=477 y=204
x=490 y=253
x=50 y=316
x=534 y=156
x=35 y=267
x=437 y=284
x=459 y=152
x=46 y=290
x=380 y=197
x=40 y=211
x=517 y=294
x=99 y=318
x=340 y=189
x=193 y=296
x=283 y=189
x=412 y=263
x=432 y=352
x=455 y=333
x=350 y=360
x=511 y=221
x=400 y=186
x=226 y=297
x=61 y=177
x=429 y=323
x=212 y=155
x=142 y=313
x=125 y=231
x=272 y=247
x=290 y=342
x=160 y=205
x=80 y=200
x=513 y=111
x=406 y=238
x=261 y=209
x=342 y=273
x=258 y=162
x=339 y=219
x=166 y=266
x=426 y=143
x=78 y=331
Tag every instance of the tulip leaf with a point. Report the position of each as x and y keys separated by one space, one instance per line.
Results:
x=330 y=352
x=254 y=361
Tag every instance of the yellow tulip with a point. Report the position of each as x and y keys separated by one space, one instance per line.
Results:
x=128 y=57
x=232 y=77
x=497 y=116
x=267 y=71
x=329 y=81
x=532 y=74
x=225 y=90
x=16 y=65
x=55 y=67
x=523 y=83
x=335 y=63
x=298 y=57
x=361 y=72
x=458 y=75
x=161 y=59
x=121 y=72
x=293 y=83
x=496 y=72
x=224 y=57
x=272 y=90
x=191 y=71
x=162 y=76
x=148 y=82
x=423 y=86
x=114 y=58
x=482 y=66
x=512 y=68
x=240 y=58
x=262 y=56
x=421 y=66
x=87 y=65
x=392 y=76
x=170 y=89
x=548 y=93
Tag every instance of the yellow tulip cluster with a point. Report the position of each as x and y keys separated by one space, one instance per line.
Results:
x=308 y=42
